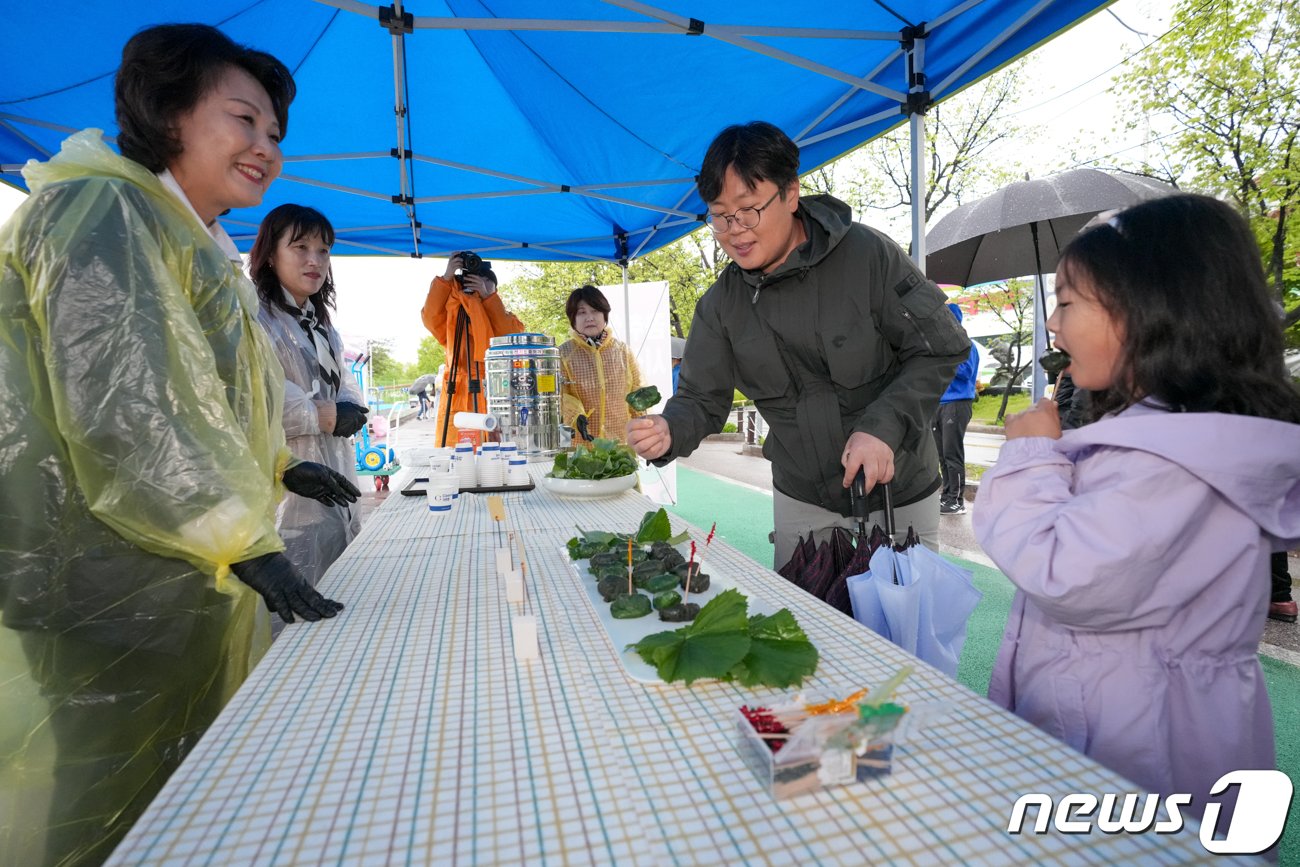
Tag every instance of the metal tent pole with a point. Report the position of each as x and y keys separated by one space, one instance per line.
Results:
x=918 y=103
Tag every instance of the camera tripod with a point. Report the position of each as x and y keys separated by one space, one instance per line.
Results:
x=462 y=347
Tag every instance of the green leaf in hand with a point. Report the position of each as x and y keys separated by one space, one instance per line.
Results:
x=643 y=398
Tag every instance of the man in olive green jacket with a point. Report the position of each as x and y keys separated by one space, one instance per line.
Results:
x=830 y=329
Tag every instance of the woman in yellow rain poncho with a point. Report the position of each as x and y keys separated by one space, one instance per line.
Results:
x=599 y=369
x=141 y=446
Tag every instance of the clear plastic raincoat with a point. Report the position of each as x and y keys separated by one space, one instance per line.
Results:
x=596 y=384
x=314 y=534
x=140 y=447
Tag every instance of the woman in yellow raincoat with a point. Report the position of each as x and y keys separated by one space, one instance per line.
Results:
x=599 y=370
x=141 y=446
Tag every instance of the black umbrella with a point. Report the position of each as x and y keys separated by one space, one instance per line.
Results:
x=1020 y=230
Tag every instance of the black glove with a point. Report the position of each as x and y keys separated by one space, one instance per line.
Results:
x=286 y=592
x=319 y=482
x=581 y=424
x=349 y=418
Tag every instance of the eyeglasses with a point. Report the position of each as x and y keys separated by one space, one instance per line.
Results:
x=746 y=218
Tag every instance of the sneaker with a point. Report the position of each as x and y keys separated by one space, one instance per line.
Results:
x=1283 y=611
x=953 y=508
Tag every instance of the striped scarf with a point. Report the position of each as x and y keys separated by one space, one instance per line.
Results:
x=326 y=363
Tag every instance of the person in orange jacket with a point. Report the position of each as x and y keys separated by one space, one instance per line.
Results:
x=472 y=292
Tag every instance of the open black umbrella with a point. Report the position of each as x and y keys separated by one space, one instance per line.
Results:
x=1020 y=230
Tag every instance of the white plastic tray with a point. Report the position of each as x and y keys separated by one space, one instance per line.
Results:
x=623 y=633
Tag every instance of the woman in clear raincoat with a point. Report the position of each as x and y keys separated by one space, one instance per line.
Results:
x=599 y=369
x=140 y=446
x=323 y=406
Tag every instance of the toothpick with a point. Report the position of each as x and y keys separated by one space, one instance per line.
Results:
x=707 y=541
x=690 y=565
x=629 y=567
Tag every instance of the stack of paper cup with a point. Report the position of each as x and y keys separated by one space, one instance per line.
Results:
x=490 y=471
x=464 y=464
x=443 y=461
x=441 y=491
x=517 y=470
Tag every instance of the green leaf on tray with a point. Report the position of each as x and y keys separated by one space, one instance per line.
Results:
x=780 y=654
x=724 y=644
x=655 y=527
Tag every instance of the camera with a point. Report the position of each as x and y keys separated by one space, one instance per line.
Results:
x=472 y=264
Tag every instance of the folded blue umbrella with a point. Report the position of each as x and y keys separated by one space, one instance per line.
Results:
x=917 y=600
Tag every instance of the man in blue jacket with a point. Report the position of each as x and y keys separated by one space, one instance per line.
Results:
x=950 y=429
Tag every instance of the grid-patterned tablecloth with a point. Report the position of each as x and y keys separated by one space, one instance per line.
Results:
x=405 y=732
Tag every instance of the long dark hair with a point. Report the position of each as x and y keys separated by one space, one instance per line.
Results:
x=299 y=221
x=1182 y=277
x=167 y=69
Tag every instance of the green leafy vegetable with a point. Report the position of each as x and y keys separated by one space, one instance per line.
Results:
x=630 y=607
x=643 y=398
x=602 y=459
x=657 y=583
x=654 y=527
x=667 y=599
x=724 y=644
x=780 y=654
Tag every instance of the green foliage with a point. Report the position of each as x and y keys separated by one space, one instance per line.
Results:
x=1227 y=77
x=689 y=265
x=729 y=427
x=429 y=357
x=602 y=459
x=384 y=368
x=1012 y=303
x=991 y=410
x=724 y=644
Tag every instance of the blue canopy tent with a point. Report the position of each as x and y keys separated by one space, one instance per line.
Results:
x=442 y=125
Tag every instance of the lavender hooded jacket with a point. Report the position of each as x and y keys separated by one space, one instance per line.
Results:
x=1140 y=547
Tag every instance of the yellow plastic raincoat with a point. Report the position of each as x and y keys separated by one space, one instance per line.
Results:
x=140 y=447
x=314 y=534
x=597 y=382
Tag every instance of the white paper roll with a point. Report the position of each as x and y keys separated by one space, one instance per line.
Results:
x=475 y=421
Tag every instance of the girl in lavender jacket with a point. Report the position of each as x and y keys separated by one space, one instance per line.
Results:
x=1140 y=544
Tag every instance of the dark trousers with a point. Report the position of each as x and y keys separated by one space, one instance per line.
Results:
x=424 y=405
x=949 y=435
x=1281 y=578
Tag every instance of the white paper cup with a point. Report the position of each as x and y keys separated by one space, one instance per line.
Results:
x=440 y=498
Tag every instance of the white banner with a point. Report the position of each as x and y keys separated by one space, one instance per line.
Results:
x=640 y=318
